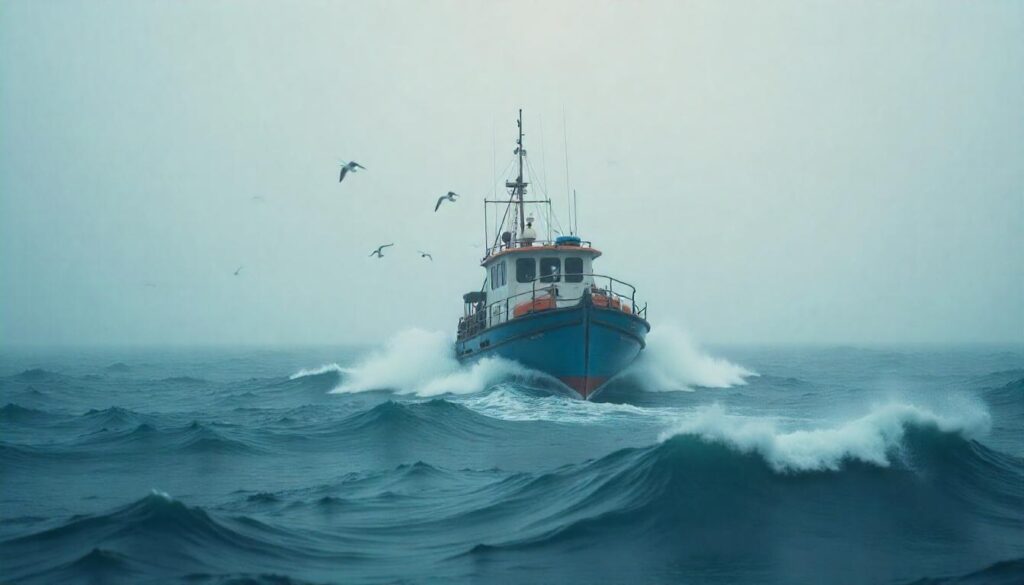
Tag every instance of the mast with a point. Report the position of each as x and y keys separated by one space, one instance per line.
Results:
x=517 y=198
x=522 y=186
x=519 y=186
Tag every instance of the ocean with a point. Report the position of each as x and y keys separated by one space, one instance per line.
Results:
x=392 y=464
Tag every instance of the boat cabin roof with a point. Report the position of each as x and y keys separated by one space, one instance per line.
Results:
x=541 y=249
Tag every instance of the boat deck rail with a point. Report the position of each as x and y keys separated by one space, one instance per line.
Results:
x=484 y=317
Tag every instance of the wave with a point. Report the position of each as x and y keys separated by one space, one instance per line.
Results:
x=1007 y=396
x=1009 y=572
x=693 y=492
x=245 y=579
x=118 y=368
x=35 y=374
x=687 y=493
x=416 y=421
x=195 y=437
x=869 y=439
x=113 y=417
x=420 y=363
x=182 y=380
x=138 y=437
x=155 y=527
x=673 y=361
x=333 y=369
x=14 y=413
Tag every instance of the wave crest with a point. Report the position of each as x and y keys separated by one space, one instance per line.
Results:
x=418 y=362
x=871 y=438
x=673 y=361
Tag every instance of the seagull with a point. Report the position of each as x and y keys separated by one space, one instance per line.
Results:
x=425 y=255
x=449 y=197
x=349 y=167
x=237 y=271
x=378 y=252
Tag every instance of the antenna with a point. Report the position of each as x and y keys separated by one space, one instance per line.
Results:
x=544 y=166
x=565 y=139
x=494 y=160
x=494 y=182
x=575 y=212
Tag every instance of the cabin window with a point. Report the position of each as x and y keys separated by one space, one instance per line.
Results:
x=526 y=269
x=550 y=269
x=574 y=270
x=498 y=275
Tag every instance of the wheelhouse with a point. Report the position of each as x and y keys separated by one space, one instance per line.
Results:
x=539 y=276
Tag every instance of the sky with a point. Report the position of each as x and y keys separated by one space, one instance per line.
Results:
x=805 y=172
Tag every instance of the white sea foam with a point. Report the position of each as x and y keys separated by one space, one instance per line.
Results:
x=161 y=494
x=870 y=438
x=422 y=363
x=507 y=403
x=317 y=371
x=672 y=361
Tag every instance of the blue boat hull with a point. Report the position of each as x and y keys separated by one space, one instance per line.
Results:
x=582 y=346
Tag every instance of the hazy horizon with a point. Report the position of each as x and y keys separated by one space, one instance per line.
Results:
x=785 y=173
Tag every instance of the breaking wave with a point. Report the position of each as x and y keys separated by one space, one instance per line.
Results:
x=689 y=493
x=420 y=363
x=423 y=363
x=673 y=361
x=869 y=439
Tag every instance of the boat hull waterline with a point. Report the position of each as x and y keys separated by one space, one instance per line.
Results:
x=583 y=346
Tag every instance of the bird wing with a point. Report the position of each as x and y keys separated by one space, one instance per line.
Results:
x=453 y=195
x=344 y=171
x=439 y=200
x=355 y=164
x=429 y=257
x=385 y=246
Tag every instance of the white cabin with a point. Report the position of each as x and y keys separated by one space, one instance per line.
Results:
x=520 y=275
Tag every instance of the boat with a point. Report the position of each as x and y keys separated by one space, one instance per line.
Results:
x=541 y=303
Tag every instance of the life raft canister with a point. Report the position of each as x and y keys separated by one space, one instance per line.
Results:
x=603 y=300
x=610 y=302
x=545 y=303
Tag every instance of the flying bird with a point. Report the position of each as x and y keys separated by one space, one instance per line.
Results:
x=449 y=197
x=425 y=255
x=238 y=270
x=378 y=252
x=346 y=168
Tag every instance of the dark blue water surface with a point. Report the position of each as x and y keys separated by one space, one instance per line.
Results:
x=833 y=465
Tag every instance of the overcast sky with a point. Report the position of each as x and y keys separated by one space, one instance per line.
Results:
x=763 y=172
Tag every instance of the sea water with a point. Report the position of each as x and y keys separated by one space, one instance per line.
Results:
x=395 y=464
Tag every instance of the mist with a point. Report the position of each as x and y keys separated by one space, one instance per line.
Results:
x=849 y=173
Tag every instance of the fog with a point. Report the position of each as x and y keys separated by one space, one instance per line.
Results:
x=805 y=172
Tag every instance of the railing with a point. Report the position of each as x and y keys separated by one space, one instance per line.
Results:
x=483 y=318
x=492 y=250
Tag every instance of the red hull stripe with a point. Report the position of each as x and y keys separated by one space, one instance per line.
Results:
x=583 y=384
